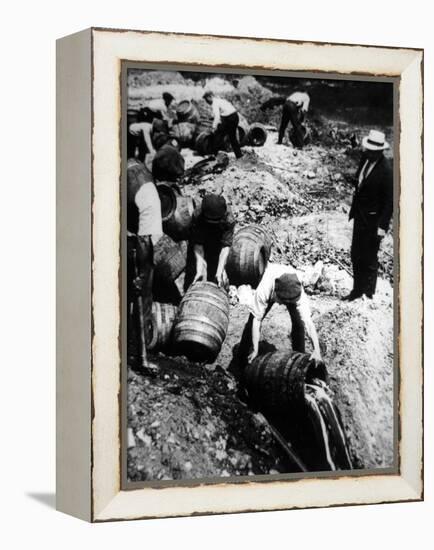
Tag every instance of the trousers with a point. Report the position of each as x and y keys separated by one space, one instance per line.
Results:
x=228 y=126
x=364 y=256
x=140 y=274
x=290 y=112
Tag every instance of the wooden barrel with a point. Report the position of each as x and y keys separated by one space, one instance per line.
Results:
x=168 y=199
x=162 y=321
x=186 y=111
x=276 y=380
x=184 y=133
x=169 y=258
x=204 y=143
x=248 y=256
x=202 y=322
x=256 y=135
x=178 y=224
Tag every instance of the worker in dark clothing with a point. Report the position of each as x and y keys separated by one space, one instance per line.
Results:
x=144 y=228
x=168 y=164
x=225 y=122
x=211 y=237
x=371 y=210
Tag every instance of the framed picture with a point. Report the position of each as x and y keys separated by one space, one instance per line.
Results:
x=239 y=271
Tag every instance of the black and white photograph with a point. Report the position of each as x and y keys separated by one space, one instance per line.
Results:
x=259 y=275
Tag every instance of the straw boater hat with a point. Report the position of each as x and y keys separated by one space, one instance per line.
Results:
x=375 y=141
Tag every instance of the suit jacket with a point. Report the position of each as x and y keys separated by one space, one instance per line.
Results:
x=373 y=198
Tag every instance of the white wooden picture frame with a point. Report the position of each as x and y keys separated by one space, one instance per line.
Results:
x=88 y=267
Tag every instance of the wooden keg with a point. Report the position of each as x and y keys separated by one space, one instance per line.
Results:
x=186 y=111
x=202 y=322
x=204 y=143
x=162 y=321
x=248 y=256
x=256 y=135
x=168 y=198
x=169 y=258
x=178 y=224
x=184 y=133
x=276 y=380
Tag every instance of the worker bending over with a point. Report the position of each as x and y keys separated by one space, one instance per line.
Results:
x=210 y=240
x=225 y=121
x=279 y=284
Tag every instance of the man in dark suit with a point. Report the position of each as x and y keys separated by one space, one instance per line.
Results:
x=371 y=210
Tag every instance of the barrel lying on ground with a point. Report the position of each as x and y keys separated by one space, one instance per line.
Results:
x=184 y=133
x=256 y=135
x=290 y=389
x=162 y=321
x=248 y=256
x=202 y=322
x=204 y=143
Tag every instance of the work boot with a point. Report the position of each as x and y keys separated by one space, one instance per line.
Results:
x=352 y=296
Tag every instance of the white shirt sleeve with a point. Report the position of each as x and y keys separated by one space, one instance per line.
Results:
x=149 y=206
x=216 y=112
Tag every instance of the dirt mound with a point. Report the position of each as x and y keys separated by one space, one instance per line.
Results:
x=188 y=422
x=357 y=344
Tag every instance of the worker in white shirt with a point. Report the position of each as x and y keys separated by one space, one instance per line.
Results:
x=158 y=108
x=225 y=121
x=279 y=284
x=139 y=140
x=144 y=228
x=294 y=109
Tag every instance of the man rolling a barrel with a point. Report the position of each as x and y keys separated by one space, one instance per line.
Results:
x=144 y=227
x=225 y=121
x=279 y=284
x=211 y=237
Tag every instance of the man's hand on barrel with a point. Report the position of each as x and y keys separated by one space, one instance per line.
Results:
x=222 y=279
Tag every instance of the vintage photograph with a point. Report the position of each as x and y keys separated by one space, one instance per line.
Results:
x=259 y=274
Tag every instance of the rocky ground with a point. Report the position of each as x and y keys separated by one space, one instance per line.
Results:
x=190 y=421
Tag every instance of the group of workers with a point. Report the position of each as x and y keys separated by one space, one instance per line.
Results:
x=213 y=226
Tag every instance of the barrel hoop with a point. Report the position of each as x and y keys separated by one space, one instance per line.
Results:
x=201 y=320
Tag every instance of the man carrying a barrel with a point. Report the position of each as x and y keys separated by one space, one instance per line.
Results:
x=211 y=237
x=279 y=284
x=225 y=121
x=144 y=227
